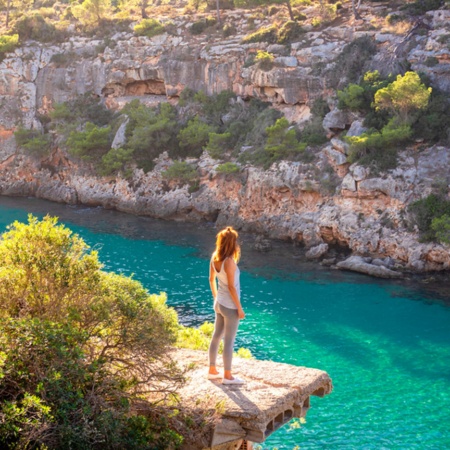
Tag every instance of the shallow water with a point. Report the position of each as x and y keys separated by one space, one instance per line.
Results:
x=386 y=345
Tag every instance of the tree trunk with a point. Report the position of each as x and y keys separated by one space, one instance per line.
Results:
x=355 y=9
x=289 y=7
x=8 y=5
x=218 y=11
x=144 y=4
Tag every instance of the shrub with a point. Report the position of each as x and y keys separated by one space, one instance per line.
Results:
x=8 y=44
x=264 y=60
x=420 y=7
x=441 y=228
x=38 y=28
x=431 y=61
x=228 y=168
x=33 y=142
x=320 y=108
x=181 y=171
x=228 y=30
x=200 y=26
x=313 y=133
x=378 y=148
x=282 y=141
x=268 y=34
x=433 y=208
x=194 y=136
x=90 y=144
x=149 y=28
x=289 y=32
x=115 y=161
x=218 y=143
x=403 y=97
x=67 y=331
x=91 y=12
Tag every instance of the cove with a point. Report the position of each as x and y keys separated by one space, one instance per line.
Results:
x=386 y=345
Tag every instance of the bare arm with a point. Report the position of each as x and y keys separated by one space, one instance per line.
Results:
x=230 y=270
x=212 y=280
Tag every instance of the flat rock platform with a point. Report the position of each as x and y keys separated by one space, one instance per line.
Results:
x=274 y=394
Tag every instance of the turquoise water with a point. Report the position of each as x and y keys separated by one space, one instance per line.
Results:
x=386 y=345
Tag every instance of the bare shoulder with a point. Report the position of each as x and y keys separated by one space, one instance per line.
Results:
x=230 y=264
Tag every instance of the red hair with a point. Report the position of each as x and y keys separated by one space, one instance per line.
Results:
x=227 y=245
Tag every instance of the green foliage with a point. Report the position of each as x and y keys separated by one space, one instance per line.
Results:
x=115 y=161
x=433 y=122
x=8 y=44
x=228 y=168
x=289 y=32
x=90 y=144
x=181 y=172
x=264 y=60
x=194 y=136
x=151 y=132
x=201 y=25
x=403 y=97
x=420 y=7
x=228 y=30
x=33 y=142
x=320 y=108
x=38 y=28
x=433 y=209
x=267 y=34
x=441 y=228
x=67 y=331
x=218 y=144
x=282 y=141
x=352 y=97
x=91 y=12
x=149 y=28
x=378 y=148
x=313 y=133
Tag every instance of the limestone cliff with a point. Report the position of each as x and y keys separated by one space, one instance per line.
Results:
x=351 y=207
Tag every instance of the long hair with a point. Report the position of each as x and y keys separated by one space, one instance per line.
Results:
x=227 y=245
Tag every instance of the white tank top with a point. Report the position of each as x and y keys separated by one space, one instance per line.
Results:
x=223 y=293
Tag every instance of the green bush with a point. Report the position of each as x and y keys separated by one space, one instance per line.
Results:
x=264 y=60
x=115 y=161
x=38 y=28
x=90 y=144
x=379 y=148
x=194 y=137
x=441 y=228
x=420 y=7
x=67 y=330
x=8 y=44
x=313 y=133
x=228 y=30
x=151 y=131
x=433 y=209
x=228 y=168
x=267 y=34
x=282 y=141
x=200 y=26
x=149 y=28
x=218 y=144
x=289 y=32
x=33 y=142
x=182 y=172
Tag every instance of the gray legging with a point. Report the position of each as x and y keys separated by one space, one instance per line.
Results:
x=226 y=325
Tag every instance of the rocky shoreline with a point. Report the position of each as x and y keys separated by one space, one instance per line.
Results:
x=285 y=202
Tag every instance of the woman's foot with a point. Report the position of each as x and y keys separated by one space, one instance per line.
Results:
x=233 y=380
x=213 y=374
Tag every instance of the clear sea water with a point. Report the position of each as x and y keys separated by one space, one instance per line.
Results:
x=386 y=345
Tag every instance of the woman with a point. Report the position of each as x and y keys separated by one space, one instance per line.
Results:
x=227 y=303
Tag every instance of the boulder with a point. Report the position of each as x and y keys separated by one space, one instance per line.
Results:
x=317 y=252
x=358 y=264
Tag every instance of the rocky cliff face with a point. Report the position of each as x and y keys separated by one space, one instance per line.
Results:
x=351 y=206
